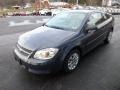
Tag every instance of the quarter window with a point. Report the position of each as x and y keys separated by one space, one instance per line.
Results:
x=107 y=16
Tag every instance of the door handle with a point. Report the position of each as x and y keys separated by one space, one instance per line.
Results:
x=91 y=31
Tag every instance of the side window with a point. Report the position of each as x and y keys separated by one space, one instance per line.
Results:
x=96 y=18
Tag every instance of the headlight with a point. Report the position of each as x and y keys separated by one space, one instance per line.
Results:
x=46 y=53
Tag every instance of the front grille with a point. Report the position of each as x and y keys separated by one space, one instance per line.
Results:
x=23 y=50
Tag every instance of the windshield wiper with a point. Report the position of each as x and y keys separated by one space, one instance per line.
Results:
x=57 y=27
x=54 y=27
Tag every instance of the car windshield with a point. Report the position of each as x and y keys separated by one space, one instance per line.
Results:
x=67 y=21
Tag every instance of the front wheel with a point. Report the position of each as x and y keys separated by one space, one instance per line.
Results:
x=108 y=38
x=71 y=61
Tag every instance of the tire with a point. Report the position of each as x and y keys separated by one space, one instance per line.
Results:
x=71 y=61
x=108 y=38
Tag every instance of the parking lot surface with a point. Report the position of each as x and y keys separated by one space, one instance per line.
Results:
x=99 y=70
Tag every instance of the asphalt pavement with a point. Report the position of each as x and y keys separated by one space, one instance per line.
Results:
x=99 y=69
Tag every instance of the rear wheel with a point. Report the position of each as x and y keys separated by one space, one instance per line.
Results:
x=71 y=61
x=108 y=38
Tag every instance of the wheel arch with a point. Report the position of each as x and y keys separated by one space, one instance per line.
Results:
x=68 y=50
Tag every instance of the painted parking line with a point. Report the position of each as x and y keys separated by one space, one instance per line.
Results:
x=26 y=22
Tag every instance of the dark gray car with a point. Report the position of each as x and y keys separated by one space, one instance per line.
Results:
x=60 y=43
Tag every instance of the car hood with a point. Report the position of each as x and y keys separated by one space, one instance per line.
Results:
x=44 y=37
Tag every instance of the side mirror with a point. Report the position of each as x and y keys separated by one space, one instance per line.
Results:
x=91 y=27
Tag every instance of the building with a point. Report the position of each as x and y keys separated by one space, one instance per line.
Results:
x=110 y=2
x=116 y=0
x=48 y=4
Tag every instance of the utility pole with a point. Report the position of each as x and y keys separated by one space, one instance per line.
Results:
x=104 y=2
x=77 y=2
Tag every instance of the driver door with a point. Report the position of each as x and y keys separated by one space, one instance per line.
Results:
x=93 y=37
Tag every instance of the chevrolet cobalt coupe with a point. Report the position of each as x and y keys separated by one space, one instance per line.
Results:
x=60 y=43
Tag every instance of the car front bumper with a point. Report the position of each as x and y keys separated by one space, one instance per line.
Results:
x=38 y=66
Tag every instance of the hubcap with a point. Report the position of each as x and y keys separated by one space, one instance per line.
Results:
x=110 y=36
x=73 y=61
